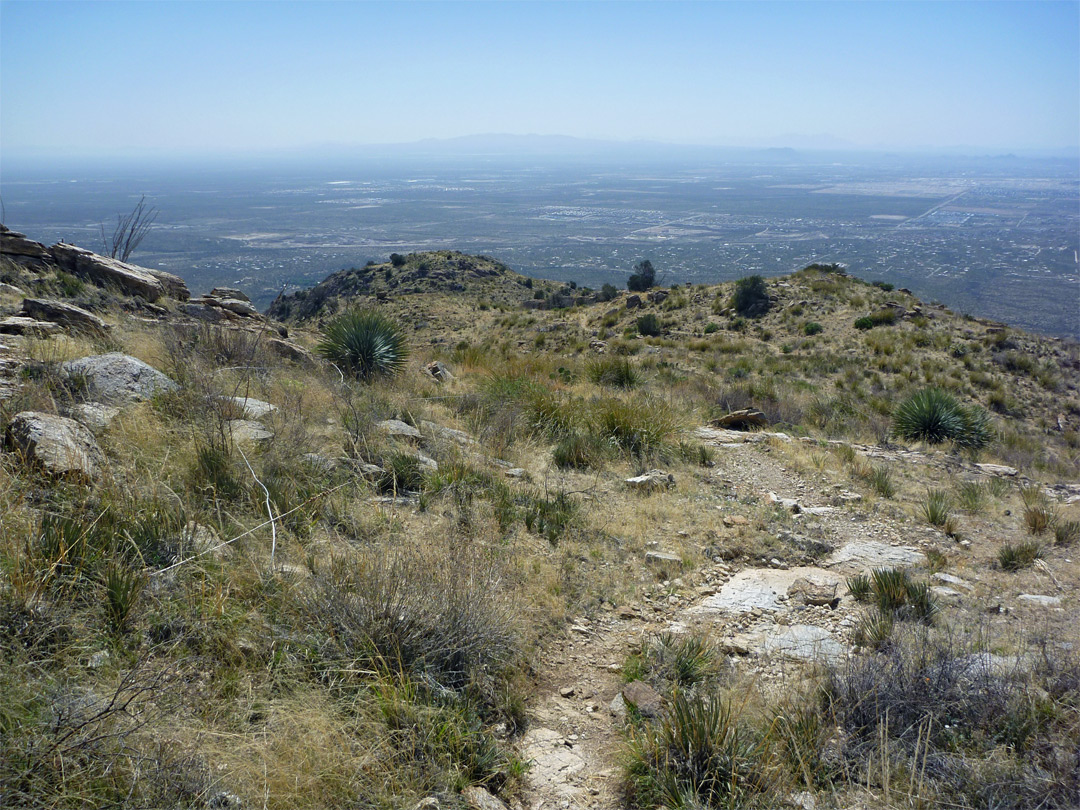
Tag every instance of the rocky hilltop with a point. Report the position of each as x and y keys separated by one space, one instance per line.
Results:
x=805 y=542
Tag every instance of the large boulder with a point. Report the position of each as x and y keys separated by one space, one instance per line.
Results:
x=117 y=379
x=59 y=445
x=66 y=315
x=129 y=278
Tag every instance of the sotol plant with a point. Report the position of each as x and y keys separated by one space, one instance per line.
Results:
x=934 y=416
x=365 y=344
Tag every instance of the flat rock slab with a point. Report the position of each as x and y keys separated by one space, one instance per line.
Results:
x=722 y=436
x=117 y=379
x=59 y=445
x=400 y=430
x=253 y=408
x=762 y=589
x=553 y=763
x=1040 y=599
x=803 y=641
x=865 y=555
x=248 y=430
x=68 y=315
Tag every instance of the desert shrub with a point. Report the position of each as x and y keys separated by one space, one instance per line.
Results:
x=649 y=325
x=883 y=317
x=680 y=659
x=1039 y=518
x=416 y=614
x=700 y=754
x=548 y=517
x=577 y=451
x=613 y=371
x=402 y=472
x=712 y=327
x=978 y=733
x=643 y=277
x=364 y=344
x=607 y=292
x=812 y=328
x=642 y=428
x=934 y=416
x=751 y=297
x=1015 y=556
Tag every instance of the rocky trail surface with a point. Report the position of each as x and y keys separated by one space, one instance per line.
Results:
x=769 y=616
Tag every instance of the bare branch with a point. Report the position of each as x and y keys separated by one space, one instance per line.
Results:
x=130 y=230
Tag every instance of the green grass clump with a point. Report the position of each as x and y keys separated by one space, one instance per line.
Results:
x=364 y=344
x=614 y=372
x=881 y=479
x=1066 y=532
x=700 y=754
x=642 y=428
x=937 y=508
x=934 y=416
x=971 y=496
x=1013 y=557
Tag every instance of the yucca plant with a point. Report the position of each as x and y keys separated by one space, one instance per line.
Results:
x=364 y=344
x=859 y=587
x=935 y=416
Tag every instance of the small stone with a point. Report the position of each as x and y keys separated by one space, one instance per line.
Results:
x=567 y=691
x=662 y=558
x=477 y=798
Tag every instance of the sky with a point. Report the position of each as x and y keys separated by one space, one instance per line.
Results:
x=100 y=77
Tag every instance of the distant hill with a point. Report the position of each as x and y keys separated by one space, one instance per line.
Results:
x=447 y=271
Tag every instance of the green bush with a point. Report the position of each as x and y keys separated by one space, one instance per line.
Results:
x=643 y=278
x=751 y=297
x=812 y=328
x=364 y=344
x=934 y=416
x=648 y=325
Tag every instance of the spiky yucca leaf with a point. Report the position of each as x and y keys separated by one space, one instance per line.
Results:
x=365 y=344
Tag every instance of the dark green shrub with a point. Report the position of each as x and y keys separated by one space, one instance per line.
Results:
x=644 y=276
x=364 y=344
x=751 y=297
x=649 y=325
x=934 y=416
x=711 y=327
x=884 y=285
x=812 y=328
x=607 y=292
x=864 y=323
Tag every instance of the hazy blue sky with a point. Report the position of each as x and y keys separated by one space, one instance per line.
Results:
x=194 y=76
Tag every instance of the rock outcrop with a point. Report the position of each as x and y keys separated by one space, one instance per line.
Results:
x=129 y=278
x=59 y=445
x=117 y=379
x=66 y=315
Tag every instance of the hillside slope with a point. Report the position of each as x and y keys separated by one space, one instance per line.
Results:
x=535 y=567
